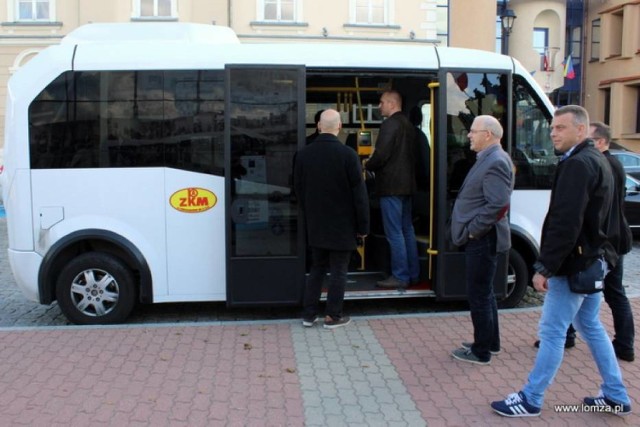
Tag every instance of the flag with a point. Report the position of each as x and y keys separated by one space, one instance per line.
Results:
x=569 y=73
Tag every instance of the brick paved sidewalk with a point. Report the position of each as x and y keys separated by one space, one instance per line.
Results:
x=376 y=371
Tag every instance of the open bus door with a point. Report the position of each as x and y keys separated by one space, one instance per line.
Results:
x=456 y=100
x=264 y=124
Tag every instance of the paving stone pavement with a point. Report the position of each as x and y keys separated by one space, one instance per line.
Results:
x=386 y=371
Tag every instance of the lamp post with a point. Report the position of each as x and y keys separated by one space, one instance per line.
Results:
x=506 y=18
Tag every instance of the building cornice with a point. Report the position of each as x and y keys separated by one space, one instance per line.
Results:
x=619 y=7
x=619 y=80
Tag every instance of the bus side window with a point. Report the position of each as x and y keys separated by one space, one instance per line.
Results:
x=532 y=151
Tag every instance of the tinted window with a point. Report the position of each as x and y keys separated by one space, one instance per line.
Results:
x=470 y=95
x=130 y=119
x=532 y=152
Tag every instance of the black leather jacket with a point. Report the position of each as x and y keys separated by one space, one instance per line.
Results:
x=393 y=160
x=574 y=233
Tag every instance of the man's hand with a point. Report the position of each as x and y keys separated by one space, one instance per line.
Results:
x=540 y=283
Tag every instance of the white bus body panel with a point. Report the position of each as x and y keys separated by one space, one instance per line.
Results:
x=25 y=267
x=196 y=242
x=127 y=202
x=22 y=88
x=528 y=210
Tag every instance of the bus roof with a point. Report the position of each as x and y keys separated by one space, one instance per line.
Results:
x=186 y=46
x=153 y=45
x=156 y=32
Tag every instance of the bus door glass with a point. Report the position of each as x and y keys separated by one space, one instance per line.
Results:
x=265 y=121
x=467 y=95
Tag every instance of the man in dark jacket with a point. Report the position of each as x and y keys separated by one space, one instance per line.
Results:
x=331 y=192
x=574 y=236
x=393 y=162
x=622 y=240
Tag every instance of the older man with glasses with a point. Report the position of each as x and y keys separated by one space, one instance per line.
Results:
x=479 y=223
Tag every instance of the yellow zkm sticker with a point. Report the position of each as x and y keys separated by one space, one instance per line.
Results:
x=193 y=200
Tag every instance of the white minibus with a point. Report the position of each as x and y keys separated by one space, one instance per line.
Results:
x=152 y=162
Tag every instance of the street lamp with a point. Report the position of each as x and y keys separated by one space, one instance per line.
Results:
x=506 y=18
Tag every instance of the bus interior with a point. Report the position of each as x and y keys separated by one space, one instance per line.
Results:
x=356 y=96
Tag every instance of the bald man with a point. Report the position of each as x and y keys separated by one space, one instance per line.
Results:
x=331 y=192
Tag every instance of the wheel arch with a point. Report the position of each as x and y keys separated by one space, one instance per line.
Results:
x=88 y=240
x=526 y=245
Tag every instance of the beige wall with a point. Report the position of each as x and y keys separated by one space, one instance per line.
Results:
x=473 y=24
x=617 y=69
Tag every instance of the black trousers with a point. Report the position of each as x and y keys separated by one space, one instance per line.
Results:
x=481 y=263
x=325 y=261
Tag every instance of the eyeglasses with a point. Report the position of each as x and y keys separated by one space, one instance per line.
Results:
x=479 y=130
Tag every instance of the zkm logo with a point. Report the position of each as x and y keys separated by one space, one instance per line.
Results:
x=193 y=200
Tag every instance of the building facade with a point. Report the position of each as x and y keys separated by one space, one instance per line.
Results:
x=612 y=54
x=580 y=51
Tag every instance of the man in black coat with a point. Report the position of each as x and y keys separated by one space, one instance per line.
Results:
x=330 y=188
x=622 y=240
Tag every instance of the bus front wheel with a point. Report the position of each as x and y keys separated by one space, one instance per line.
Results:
x=96 y=288
x=517 y=280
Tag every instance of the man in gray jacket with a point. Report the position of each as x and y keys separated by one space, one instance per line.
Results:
x=479 y=222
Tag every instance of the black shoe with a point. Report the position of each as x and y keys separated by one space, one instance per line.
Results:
x=309 y=322
x=627 y=357
x=468 y=345
x=466 y=355
x=392 y=283
x=336 y=322
x=569 y=343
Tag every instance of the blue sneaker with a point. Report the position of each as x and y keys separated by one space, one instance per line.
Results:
x=601 y=403
x=515 y=405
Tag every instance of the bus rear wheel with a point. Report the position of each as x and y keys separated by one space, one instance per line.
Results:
x=96 y=288
x=517 y=280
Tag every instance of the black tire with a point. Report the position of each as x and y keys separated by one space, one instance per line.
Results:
x=96 y=288
x=517 y=280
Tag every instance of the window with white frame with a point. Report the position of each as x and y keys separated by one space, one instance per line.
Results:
x=370 y=12
x=155 y=8
x=33 y=10
x=278 y=10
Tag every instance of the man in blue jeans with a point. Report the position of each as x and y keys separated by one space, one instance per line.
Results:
x=393 y=162
x=480 y=224
x=574 y=236
x=620 y=237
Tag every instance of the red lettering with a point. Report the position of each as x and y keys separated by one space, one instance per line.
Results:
x=183 y=202
x=202 y=201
